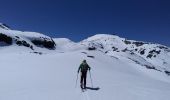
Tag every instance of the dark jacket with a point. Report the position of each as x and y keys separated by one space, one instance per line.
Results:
x=84 y=67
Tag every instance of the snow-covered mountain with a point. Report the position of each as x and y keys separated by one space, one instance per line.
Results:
x=149 y=55
x=31 y=40
x=37 y=67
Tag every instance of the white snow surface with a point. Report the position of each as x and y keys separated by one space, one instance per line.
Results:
x=29 y=76
x=118 y=73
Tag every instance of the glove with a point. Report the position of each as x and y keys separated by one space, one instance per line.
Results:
x=89 y=68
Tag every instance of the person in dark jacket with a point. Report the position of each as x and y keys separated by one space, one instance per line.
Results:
x=84 y=67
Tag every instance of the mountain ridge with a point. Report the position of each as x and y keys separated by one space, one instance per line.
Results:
x=150 y=55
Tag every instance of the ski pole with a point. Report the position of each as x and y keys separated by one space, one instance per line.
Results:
x=76 y=80
x=91 y=79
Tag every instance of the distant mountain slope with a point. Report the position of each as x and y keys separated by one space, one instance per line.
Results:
x=31 y=40
x=149 y=55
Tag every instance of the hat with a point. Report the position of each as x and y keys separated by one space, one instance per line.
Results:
x=84 y=61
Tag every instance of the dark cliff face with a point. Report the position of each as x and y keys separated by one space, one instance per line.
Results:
x=5 y=39
x=47 y=43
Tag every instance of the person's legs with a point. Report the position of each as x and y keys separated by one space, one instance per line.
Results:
x=85 y=75
x=81 y=80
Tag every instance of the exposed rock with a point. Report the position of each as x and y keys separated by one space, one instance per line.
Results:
x=127 y=42
x=91 y=48
x=142 y=52
x=114 y=48
x=138 y=43
x=50 y=44
x=6 y=39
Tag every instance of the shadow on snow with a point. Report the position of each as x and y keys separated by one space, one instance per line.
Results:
x=93 y=88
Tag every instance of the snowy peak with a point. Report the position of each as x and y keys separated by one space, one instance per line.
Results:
x=62 y=40
x=102 y=36
x=106 y=41
x=4 y=26
x=149 y=55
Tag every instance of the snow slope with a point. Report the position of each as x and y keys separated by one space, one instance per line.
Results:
x=121 y=69
x=30 y=76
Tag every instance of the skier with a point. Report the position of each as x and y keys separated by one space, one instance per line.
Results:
x=84 y=67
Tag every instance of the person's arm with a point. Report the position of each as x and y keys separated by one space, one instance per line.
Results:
x=79 y=68
x=89 y=68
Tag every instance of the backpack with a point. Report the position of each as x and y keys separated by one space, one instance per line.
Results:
x=84 y=67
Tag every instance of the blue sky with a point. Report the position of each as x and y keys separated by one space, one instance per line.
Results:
x=144 y=20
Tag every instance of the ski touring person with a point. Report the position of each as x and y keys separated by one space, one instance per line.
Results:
x=84 y=67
